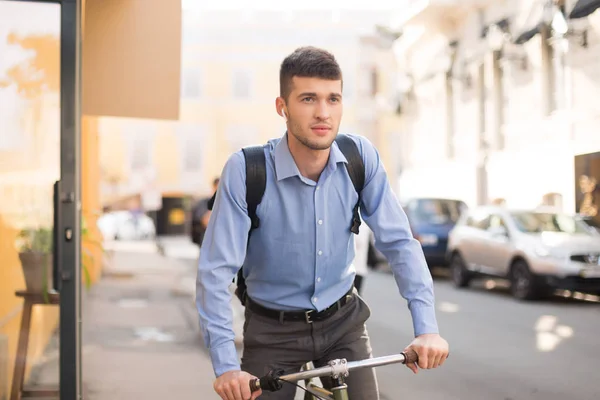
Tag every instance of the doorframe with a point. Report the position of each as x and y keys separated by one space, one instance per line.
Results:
x=69 y=223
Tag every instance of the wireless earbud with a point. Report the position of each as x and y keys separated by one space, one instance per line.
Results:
x=285 y=117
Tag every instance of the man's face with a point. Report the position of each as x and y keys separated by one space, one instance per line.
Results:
x=314 y=111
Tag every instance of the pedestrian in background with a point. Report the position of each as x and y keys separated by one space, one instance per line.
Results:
x=201 y=215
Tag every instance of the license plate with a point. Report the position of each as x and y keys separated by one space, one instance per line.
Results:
x=428 y=240
x=590 y=273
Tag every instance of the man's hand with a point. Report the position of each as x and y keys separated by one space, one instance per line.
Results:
x=235 y=385
x=432 y=350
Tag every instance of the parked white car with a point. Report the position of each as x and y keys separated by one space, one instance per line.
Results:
x=125 y=225
x=536 y=250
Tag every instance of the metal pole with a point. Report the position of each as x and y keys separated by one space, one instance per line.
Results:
x=69 y=243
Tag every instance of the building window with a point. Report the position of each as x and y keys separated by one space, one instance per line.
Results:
x=140 y=154
x=192 y=154
x=139 y=136
x=241 y=84
x=191 y=87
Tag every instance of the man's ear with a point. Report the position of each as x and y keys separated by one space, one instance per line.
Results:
x=280 y=108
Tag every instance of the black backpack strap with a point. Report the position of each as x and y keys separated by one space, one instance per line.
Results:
x=256 y=183
x=256 y=180
x=356 y=170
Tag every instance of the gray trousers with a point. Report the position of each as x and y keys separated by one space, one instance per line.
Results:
x=270 y=344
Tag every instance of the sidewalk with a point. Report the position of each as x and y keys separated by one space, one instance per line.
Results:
x=141 y=337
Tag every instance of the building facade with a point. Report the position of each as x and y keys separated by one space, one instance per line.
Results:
x=230 y=79
x=500 y=104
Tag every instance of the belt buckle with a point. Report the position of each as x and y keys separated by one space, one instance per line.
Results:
x=307 y=315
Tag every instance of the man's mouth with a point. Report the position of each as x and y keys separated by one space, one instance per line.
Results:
x=321 y=129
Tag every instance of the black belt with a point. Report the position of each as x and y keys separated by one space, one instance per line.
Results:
x=308 y=316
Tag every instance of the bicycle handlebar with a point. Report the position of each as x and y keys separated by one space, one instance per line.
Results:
x=272 y=381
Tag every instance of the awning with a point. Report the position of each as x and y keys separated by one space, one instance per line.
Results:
x=583 y=8
x=532 y=24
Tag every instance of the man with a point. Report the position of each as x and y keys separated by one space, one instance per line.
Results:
x=200 y=216
x=298 y=260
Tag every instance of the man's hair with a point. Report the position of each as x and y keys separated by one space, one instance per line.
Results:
x=307 y=62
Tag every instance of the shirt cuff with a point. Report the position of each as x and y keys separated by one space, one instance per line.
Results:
x=424 y=320
x=224 y=358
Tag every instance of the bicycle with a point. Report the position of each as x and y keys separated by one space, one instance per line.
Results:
x=337 y=369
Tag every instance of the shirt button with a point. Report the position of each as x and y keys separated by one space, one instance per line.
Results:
x=320 y=222
x=320 y=252
x=318 y=279
x=318 y=187
x=315 y=299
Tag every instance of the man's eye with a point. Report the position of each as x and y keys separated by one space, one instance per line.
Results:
x=307 y=99
x=335 y=99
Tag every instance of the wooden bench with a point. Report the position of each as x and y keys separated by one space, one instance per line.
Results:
x=18 y=393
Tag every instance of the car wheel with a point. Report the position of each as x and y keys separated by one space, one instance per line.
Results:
x=523 y=285
x=461 y=276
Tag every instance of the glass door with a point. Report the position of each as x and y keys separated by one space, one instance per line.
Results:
x=39 y=242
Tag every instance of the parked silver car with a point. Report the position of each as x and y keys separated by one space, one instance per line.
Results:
x=536 y=250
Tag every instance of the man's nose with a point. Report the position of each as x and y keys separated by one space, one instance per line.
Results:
x=323 y=110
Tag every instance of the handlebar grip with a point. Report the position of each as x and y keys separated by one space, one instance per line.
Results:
x=410 y=356
x=254 y=385
x=269 y=382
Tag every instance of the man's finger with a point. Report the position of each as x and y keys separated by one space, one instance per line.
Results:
x=433 y=355
x=237 y=391
x=443 y=359
x=423 y=357
x=413 y=367
x=245 y=389
x=221 y=392
x=438 y=359
x=256 y=394
x=226 y=390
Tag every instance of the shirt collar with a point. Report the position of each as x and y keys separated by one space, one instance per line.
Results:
x=285 y=166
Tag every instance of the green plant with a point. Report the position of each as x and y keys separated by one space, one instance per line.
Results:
x=39 y=240
x=35 y=240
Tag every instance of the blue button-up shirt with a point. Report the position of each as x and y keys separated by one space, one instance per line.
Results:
x=301 y=255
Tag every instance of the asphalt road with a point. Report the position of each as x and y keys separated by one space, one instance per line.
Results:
x=501 y=349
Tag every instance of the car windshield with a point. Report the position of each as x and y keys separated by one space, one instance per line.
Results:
x=534 y=222
x=437 y=211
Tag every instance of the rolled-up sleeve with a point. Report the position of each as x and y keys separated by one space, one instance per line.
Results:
x=222 y=254
x=381 y=210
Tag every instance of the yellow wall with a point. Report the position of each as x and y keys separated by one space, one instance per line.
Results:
x=90 y=193
x=27 y=172
x=29 y=166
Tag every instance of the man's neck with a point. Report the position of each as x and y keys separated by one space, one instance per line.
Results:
x=310 y=162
